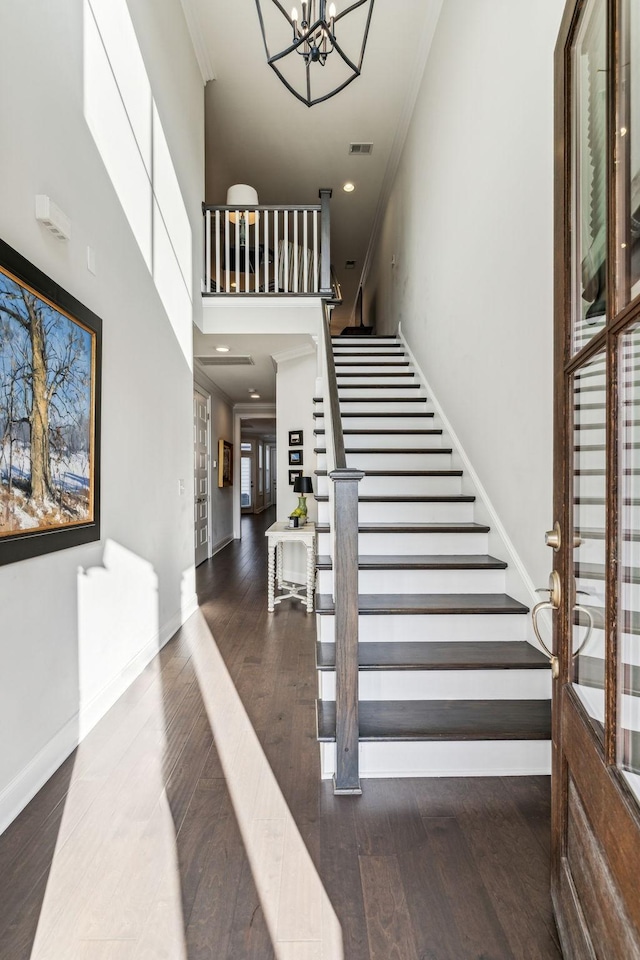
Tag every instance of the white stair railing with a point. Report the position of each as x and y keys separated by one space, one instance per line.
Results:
x=268 y=250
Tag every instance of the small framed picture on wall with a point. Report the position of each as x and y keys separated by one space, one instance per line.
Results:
x=295 y=458
x=293 y=476
x=295 y=438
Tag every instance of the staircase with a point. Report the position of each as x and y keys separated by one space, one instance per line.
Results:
x=448 y=683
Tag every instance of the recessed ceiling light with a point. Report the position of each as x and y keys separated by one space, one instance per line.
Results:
x=255 y=396
x=222 y=349
x=349 y=187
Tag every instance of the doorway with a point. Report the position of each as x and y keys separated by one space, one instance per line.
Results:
x=201 y=478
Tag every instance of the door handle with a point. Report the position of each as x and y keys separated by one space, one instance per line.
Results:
x=589 y=616
x=553 y=603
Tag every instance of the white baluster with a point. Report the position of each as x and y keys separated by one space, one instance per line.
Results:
x=217 y=251
x=207 y=251
x=227 y=257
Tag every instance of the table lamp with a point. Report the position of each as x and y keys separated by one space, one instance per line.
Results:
x=302 y=486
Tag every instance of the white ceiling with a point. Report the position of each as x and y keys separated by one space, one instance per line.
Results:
x=264 y=349
x=258 y=133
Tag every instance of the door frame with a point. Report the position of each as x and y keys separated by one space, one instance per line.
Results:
x=611 y=812
x=245 y=411
x=198 y=388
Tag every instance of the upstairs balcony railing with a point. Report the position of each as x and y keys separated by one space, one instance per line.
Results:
x=269 y=250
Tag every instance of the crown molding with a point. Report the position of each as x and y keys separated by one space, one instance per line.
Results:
x=294 y=353
x=201 y=378
x=202 y=52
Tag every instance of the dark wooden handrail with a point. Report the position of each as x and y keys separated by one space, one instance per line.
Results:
x=241 y=207
x=345 y=583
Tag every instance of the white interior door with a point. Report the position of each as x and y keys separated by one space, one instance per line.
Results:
x=201 y=477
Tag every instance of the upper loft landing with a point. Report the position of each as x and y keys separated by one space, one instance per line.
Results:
x=267 y=268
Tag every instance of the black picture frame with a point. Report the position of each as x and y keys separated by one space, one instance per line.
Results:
x=296 y=438
x=293 y=476
x=295 y=458
x=66 y=510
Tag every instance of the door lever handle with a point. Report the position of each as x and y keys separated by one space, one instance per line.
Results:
x=553 y=603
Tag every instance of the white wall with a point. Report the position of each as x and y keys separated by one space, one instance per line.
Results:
x=295 y=389
x=79 y=624
x=469 y=222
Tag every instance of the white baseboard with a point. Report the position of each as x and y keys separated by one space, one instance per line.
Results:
x=220 y=545
x=24 y=786
x=17 y=794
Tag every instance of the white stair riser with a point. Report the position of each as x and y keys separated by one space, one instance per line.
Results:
x=470 y=758
x=394 y=628
x=364 y=345
x=391 y=441
x=413 y=543
x=445 y=512
x=401 y=486
x=413 y=405
x=372 y=364
x=382 y=423
x=370 y=383
x=393 y=461
x=421 y=581
x=444 y=684
x=590 y=486
x=589 y=515
x=366 y=392
x=590 y=437
x=594 y=459
x=591 y=551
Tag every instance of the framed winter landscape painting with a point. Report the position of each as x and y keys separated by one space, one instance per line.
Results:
x=50 y=360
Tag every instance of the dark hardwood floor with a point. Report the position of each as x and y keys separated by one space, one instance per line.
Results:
x=430 y=869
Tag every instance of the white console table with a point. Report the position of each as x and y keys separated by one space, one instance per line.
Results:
x=277 y=535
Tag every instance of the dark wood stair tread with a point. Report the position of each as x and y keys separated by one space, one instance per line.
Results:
x=390 y=450
x=481 y=561
x=366 y=353
x=590 y=672
x=413 y=528
x=427 y=603
x=403 y=473
x=374 y=363
x=378 y=399
x=461 y=655
x=374 y=375
x=382 y=432
x=444 y=720
x=381 y=413
x=378 y=386
x=435 y=498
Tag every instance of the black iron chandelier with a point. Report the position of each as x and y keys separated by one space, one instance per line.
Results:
x=307 y=38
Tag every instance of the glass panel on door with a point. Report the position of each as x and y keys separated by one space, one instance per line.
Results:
x=628 y=737
x=628 y=155
x=589 y=162
x=587 y=670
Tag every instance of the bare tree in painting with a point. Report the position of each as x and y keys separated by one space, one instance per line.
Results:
x=45 y=379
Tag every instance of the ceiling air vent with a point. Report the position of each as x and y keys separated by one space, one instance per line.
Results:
x=360 y=149
x=349 y=264
x=242 y=360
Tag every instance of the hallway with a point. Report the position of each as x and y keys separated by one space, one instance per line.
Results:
x=141 y=845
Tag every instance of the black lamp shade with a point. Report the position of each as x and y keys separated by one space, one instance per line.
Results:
x=302 y=485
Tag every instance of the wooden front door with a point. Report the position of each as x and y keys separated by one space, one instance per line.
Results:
x=596 y=736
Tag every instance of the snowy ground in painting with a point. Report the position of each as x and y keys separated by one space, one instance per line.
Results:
x=70 y=475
